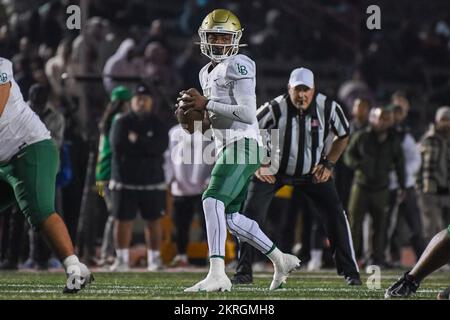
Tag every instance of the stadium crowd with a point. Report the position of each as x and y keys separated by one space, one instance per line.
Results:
x=135 y=57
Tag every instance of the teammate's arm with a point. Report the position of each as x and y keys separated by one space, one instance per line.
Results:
x=4 y=96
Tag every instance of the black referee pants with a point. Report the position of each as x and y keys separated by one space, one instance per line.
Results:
x=331 y=212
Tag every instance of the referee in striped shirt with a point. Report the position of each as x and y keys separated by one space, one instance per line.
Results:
x=305 y=119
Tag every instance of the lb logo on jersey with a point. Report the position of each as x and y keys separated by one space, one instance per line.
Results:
x=3 y=77
x=242 y=69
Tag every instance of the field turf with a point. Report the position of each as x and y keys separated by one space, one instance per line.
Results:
x=170 y=285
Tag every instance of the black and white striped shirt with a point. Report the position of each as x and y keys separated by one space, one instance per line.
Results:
x=302 y=134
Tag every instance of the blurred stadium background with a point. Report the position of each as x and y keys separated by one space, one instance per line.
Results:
x=411 y=52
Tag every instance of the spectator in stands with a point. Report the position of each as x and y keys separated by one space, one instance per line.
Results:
x=157 y=63
x=187 y=174
x=138 y=142
x=352 y=89
x=156 y=33
x=6 y=41
x=188 y=64
x=86 y=60
x=192 y=15
x=434 y=176
x=404 y=208
x=23 y=73
x=263 y=40
x=410 y=119
x=57 y=66
x=52 y=25
x=124 y=63
x=372 y=153
x=120 y=97
x=343 y=174
x=159 y=70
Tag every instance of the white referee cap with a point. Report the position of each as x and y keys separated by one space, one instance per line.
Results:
x=301 y=76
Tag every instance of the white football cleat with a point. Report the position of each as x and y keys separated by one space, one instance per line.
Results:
x=282 y=270
x=212 y=283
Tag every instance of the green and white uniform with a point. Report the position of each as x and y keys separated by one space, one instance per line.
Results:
x=230 y=87
x=28 y=157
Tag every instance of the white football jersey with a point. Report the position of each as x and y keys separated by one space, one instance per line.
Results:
x=19 y=125
x=224 y=84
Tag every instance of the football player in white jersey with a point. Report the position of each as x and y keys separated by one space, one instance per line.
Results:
x=228 y=84
x=29 y=162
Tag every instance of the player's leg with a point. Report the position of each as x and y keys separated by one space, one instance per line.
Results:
x=152 y=206
x=247 y=230
x=436 y=254
x=124 y=209
x=57 y=235
x=33 y=178
x=244 y=228
x=228 y=178
x=216 y=232
x=256 y=206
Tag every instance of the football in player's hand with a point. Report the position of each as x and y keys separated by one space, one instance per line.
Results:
x=186 y=118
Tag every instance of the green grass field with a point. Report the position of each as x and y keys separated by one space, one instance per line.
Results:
x=170 y=285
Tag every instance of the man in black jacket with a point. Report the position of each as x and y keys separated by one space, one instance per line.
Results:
x=138 y=141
